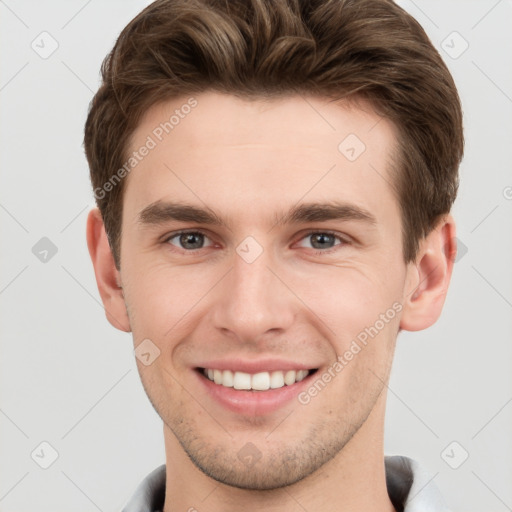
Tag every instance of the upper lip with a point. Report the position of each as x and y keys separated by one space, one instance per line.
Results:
x=255 y=366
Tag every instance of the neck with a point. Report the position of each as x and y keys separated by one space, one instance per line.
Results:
x=354 y=480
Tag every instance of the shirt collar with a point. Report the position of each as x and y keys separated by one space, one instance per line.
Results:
x=410 y=489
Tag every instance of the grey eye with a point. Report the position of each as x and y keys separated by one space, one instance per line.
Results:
x=322 y=240
x=191 y=240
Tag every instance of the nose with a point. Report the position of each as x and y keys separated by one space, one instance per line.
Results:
x=253 y=301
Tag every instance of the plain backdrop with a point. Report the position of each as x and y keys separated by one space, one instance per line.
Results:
x=69 y=379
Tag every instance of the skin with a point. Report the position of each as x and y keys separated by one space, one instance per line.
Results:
x=249 y=162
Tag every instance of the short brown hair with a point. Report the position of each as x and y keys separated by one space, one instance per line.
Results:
x=352 y=49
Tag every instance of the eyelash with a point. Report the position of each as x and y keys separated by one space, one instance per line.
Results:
x=309 y=233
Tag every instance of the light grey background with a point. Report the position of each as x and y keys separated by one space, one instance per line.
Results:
x=69 y=378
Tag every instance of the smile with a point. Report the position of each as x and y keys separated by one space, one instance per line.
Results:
x=261 y=381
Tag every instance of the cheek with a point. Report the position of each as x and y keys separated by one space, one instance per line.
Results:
x=350 y=298
x=163 y=388
x=160 y=297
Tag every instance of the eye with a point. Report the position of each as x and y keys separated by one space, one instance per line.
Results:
x=188 y=240
x=322 y=241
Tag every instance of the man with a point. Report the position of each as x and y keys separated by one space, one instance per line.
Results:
x=274 y=182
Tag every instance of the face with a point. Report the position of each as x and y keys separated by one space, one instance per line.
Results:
x=259 y=241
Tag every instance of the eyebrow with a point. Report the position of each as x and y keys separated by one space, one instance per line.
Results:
x=160 y=212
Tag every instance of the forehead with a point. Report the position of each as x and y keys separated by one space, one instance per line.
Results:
x=191 y=119
x=241 y=155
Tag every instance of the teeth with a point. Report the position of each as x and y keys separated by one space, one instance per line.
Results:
x=289 y=377
x=276 y=380
x=261 y=381
x=242 y=381
x=228 y=378
x=301 y=375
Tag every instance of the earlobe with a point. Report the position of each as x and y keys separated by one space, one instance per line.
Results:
x=108 y=277
x=429 y=277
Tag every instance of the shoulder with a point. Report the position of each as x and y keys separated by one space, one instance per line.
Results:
x=411 y=487
x=150 y=493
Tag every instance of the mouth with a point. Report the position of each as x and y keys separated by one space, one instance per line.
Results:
x=261 y=381
x=253 y=394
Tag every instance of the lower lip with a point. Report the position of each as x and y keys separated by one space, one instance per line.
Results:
x=252 y=403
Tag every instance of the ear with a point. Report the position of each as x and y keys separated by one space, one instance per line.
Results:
x=429 y=277
x=108 y=278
